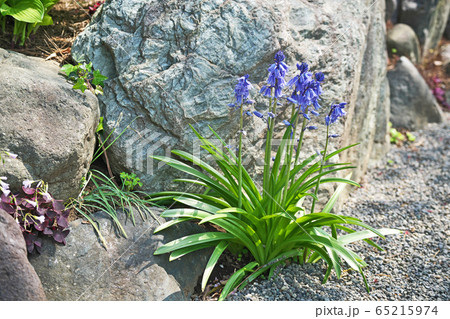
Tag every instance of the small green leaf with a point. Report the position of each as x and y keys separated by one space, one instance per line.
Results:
x=98 y=78
x=100 y=128
x=68 y=68
x=80 y=85
x=410 y=137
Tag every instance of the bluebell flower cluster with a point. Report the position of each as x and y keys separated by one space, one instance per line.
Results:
x=277 y=72
x=307 y=90
x=335 y=113
x=241 y=91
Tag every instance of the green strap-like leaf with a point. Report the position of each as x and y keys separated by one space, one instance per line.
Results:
x=365 y=234
x=192 y=240
x=236 y=279
x=187 y=250
x=330 y=204
x=220 y=248
x=171 y=223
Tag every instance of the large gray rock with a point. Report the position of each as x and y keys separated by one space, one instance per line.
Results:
x=18 y=280
x=176 y=64
x=447 y=29
x=428 y=18
x=412 y=103
x=404 y=41
x=47 y=123
x=445 y=55
x=127 y=270
x=367 y=123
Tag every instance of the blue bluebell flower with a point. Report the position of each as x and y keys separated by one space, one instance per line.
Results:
x=277 y=72
x=286 y=123
x=333 y=135
x=335 y=113
x=307 y=90
x=241 y=91
x=311 y=127
x=270 y=114
x=302 y=67
x=248 y=113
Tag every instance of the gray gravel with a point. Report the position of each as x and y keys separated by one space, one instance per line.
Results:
x=408 y=190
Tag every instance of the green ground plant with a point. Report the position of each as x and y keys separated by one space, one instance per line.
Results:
x=112 y=199
x=130 y=181
x=85 y=77
x=269 y=221
x=398 y=138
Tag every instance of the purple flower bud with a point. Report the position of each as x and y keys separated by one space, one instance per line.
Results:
x=271 y=115
x=286 y=123
x=314 y=113
x=231 y=105
x=249 y=113
x=306 y=116
x=258 y=114
x=292 y=100
x=312 y=127
x=12 y=155
x=320 y=76
x=333 y=135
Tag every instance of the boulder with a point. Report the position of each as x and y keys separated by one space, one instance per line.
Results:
x=371 y=113
x=402 y=40
x=18 y=280
x=447 y=29
x=412 y=102
x=126 y=270
x=47 y=123
x=176 y=64
x=445 y=55
x=428 y=18
x=392 y=10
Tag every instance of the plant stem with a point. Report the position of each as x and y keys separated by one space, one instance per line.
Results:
x=241 y=126
x=288 y=161
x=320 y=170
x=300 y=140
x=267 y=157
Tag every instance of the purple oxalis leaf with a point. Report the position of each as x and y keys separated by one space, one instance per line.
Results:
x=58 y=205
x=51 y=214
x=28 y=191
x=60 y=236
x=62 y=221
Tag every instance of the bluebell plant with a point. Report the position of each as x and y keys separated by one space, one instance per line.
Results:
x=269 y=222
